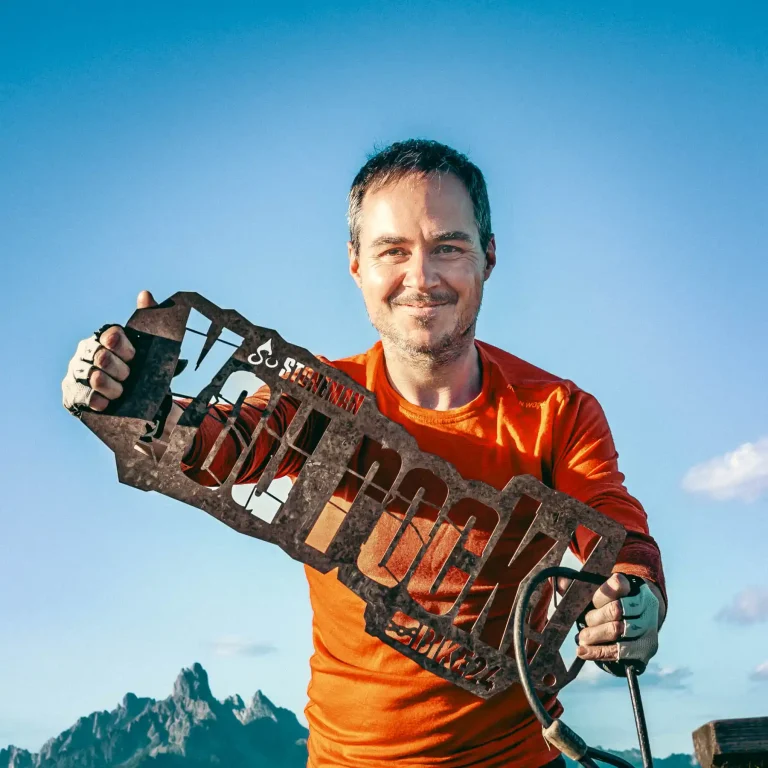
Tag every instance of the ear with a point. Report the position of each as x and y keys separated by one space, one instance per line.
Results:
x=354 y=263
x=490 y=257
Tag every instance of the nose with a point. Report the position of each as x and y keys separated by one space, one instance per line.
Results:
x=420 y=272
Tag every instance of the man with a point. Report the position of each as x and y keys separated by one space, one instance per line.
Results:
x=420 y=250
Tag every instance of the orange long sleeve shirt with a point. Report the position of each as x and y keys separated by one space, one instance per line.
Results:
x=368 y=703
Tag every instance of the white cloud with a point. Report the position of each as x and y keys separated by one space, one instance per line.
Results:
x=740 y=474
x=666 y=677
x=750 y=606
x=237 y=646
x=760 y=673
x=655 y=676
x=592 y=675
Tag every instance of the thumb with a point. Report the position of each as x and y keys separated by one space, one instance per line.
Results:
x=145 y=299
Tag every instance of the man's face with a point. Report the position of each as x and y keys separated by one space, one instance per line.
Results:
x=420 y=266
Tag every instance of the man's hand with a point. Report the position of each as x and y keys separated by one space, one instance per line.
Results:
x=621 y=627
x=100 y=365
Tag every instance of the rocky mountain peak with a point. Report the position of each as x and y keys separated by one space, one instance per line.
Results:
x=192 y=683
x=193 y=730
x=261 y=706
x=189 y=728
x=129 y=701
x=14 y=757
x=234 y=701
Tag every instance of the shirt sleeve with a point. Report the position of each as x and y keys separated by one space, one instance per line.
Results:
x=585 y=466
x=239 y=438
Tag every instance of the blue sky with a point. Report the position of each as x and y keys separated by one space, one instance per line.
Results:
x=183 y=146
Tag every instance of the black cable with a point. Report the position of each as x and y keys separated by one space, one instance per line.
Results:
x=590 y=754
x=637 y=708
x=521 y=608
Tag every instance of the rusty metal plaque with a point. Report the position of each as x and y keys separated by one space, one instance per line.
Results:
x=231 y=348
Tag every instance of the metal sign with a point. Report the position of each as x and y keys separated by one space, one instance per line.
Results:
x=349 y=417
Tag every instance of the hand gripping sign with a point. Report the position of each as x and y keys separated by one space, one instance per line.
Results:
x=230 y=348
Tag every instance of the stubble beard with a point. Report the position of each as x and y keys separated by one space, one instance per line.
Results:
x=438 y=353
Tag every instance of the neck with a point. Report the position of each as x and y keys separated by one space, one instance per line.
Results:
x=431 y=383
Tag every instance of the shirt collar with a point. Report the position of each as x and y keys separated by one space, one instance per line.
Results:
x=489 y=356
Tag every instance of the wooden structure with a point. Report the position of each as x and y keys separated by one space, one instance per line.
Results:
x=732 y=743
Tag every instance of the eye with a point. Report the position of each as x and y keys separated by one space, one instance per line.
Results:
x=447 y=249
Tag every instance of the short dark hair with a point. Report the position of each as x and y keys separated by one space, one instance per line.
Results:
x=419 y=157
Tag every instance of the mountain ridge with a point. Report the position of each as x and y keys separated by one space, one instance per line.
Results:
x=191 y=728
x=674 y=760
